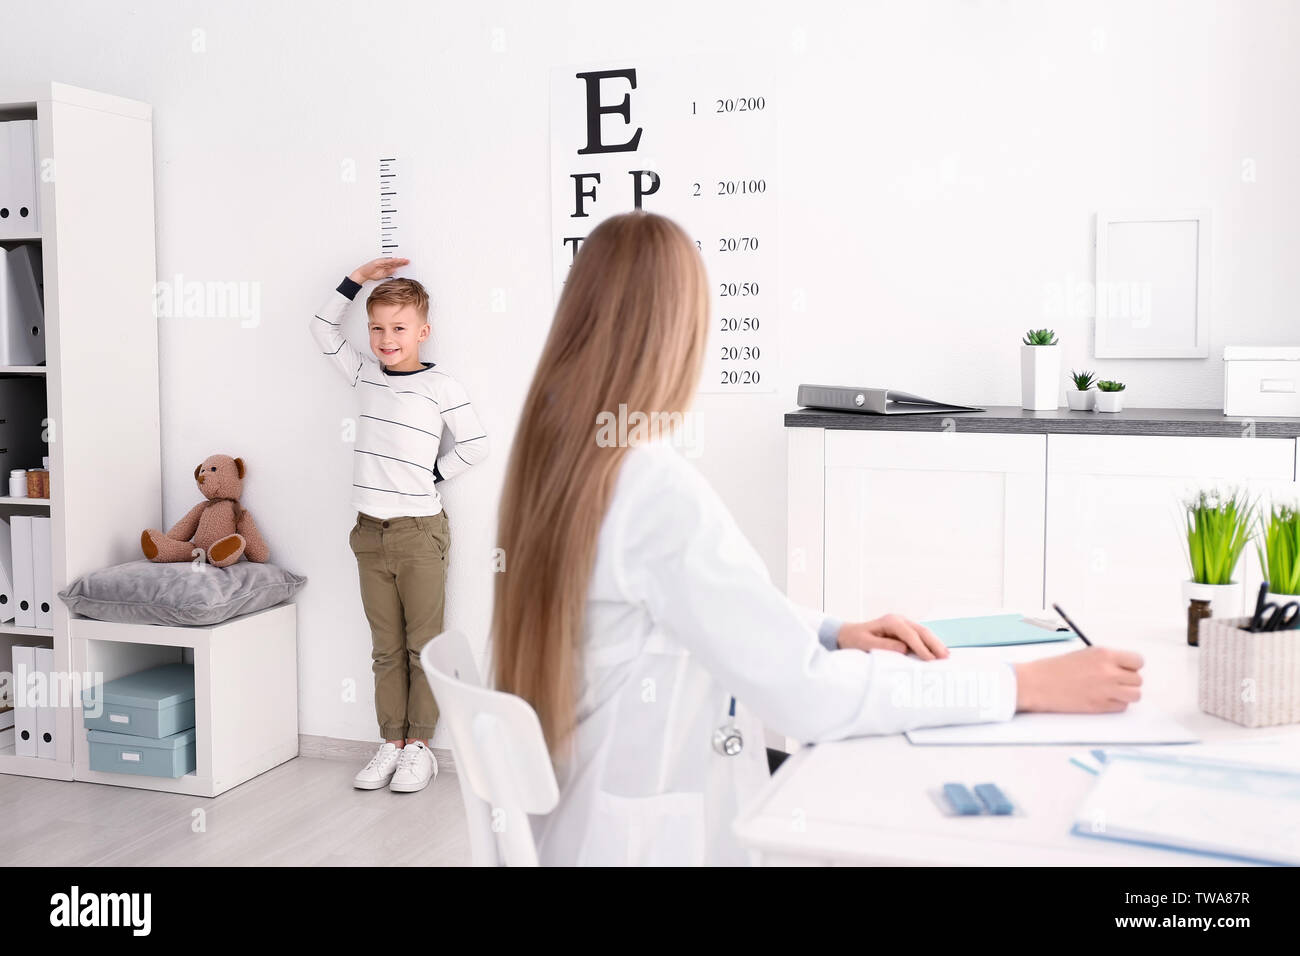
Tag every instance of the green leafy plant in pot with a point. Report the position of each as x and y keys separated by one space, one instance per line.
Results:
x=1110 y=396
x=1278 y=546
x=1082 y=396
x=1040 y=370
x=1219 y=525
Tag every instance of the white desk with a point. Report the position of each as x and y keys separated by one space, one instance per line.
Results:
x=867 y=800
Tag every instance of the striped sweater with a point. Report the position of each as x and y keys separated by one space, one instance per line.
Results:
x=402 y=415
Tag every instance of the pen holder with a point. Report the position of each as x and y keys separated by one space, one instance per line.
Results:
x=1250 y=679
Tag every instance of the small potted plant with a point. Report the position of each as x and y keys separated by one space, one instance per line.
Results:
x=1278 y=546
x=1040 y=371
x=1219 y=525
x=1110 y=396
x=1081 y=396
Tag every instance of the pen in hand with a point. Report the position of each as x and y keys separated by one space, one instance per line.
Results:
x=1070 y=624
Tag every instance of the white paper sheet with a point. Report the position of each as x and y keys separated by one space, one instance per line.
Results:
x=1139 y=724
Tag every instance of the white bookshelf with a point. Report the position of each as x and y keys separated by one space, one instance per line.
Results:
x=95 y=205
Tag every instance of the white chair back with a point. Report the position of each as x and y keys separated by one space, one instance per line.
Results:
x=502 y=763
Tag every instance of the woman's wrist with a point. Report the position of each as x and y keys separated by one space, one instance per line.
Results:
x=1026 y=687
x=829 y=633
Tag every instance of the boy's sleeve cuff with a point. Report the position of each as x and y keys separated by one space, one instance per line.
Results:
x=349 y=288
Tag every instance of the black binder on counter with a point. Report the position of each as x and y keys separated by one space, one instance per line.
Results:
x=873 y=401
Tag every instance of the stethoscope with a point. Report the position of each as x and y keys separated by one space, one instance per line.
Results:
x=727 y=739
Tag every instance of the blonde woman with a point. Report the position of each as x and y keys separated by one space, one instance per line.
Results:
x=634 y=612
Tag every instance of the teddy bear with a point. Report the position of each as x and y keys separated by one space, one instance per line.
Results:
x=218 y=526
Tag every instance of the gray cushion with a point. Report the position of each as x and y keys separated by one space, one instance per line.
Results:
x=143 y=592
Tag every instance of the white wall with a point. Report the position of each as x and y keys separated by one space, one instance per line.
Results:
x=941 y=165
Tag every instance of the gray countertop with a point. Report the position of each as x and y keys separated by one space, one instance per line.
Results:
x=1011 y=419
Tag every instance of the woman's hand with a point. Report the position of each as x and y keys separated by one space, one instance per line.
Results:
x=892 y=633
x=377 y=269
x=1095 y=680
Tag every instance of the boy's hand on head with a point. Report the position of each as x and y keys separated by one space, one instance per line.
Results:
x=377 y=269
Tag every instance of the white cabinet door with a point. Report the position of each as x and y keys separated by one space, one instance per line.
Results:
x=1116 y=547
x=931 y=524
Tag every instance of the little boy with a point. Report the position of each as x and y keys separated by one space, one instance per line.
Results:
x=401 y=535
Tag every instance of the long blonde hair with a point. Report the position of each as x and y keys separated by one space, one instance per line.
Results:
x=630 y=329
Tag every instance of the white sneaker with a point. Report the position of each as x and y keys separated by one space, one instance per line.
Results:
x=416 y=766
x=380 y=770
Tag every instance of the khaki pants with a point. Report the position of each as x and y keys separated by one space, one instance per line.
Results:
x=402 y=563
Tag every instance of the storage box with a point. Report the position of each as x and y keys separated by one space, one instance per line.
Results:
x=157 y=702
x=172 y=756
x=1261 y=381
x=1250 y=679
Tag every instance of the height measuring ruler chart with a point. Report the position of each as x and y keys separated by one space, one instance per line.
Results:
x=388 y=244
x=697 y=142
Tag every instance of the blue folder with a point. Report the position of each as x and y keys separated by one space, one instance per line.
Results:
x=996 y=630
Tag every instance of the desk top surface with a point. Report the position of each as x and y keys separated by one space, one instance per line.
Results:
x=1011 y=419
x=869 y=800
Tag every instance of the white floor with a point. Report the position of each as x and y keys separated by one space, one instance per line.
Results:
x=302 y=813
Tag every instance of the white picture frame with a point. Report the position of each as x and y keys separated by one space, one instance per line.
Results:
x=1152 y=292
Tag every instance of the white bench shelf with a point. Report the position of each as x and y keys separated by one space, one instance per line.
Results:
x=245 y=692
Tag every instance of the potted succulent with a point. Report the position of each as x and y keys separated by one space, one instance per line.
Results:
x=1110 y=396
x=1082 y=395
x=1218 y=527
x=1040 y=370
x=1278 y=546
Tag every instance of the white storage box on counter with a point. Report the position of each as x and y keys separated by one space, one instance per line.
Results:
x=1261 y=380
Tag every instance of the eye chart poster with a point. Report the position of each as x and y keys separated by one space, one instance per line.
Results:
x=697 y=142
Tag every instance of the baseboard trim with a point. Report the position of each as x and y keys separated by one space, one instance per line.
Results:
x=341 y=748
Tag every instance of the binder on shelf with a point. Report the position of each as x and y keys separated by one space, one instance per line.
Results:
x=24 y=580
x=42 y=571
x=6 y=573
x=22 y=305
x=873 y=401
x=24 y=659
x=46 y=713
x=23 y=407
x=18 y=186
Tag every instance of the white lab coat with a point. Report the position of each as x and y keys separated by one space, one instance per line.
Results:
x=681 y=614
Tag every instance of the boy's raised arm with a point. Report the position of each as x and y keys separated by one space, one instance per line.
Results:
x=327 y=321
